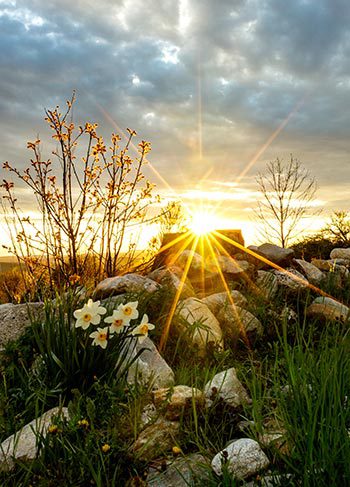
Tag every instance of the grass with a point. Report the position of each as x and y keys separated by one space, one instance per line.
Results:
x=297 y=376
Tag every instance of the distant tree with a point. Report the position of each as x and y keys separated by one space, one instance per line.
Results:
x=174 y=218
x=315 y=246
x=287 y=191
x=338 y=227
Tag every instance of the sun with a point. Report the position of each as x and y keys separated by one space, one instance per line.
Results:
x=202 y=223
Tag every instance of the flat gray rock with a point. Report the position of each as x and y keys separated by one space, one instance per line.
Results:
x=181 y=472
x=328 y=309
x=292 y=279
x=237 y=321
x=312 y=273
x=243 y=458
x=14 y=318
x=275 y=254
x=216 y=302
x=156 y=440
x=226 y=386
x=149 y=367
x=267 y=284
x=340 y=254
x=193 y=311
x=129 y=283
x=23 y=445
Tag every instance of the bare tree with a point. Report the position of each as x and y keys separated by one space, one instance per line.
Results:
x=287 y=192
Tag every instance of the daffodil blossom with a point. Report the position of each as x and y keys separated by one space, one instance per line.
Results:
x=89 y=313
x=143 y=328
x=118 y=321
x=129 y=310
x=100 y=337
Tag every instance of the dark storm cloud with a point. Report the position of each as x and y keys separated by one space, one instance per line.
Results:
x=142 y=61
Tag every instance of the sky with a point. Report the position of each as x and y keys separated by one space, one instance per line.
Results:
x=219 y=87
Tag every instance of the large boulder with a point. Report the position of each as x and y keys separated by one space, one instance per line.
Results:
x=312 y=273
x=23 y=445
x=243 y=458
x=328 y=309
x=216 y=302
x=150 y=367
x=276 y=254
x=226 y=386
x=196 y=318
x=129 y=283
x=14 y=318
x=340 y=254
x=237 y=321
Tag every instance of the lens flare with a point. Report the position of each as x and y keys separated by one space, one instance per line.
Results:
x=202 y=223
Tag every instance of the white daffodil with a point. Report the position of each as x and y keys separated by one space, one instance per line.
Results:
x=100 y=337
x=118 y=321
x=89 y=313
x=143 y=328
x=129 y=310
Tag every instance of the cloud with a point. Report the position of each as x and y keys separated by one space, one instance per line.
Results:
x=207 y=82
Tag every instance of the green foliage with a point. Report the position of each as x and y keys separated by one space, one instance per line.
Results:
x=315 y=247
x=70 y=360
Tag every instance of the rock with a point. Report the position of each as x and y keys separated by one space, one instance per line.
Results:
x=182 y=472
x=341 y=262
x=237 y=321
x=312 y=273
x=129 y=283
x=192 y=312
x=228 y=265
x=229 y=245
x=150 y=367
x=226 y=386
x=267 y=284
x=243 y=458
x=340 y=254
x=217 y=301
x=275 y=254
x=197 y=262
x=14 y=318
x=324 y=265
x=156 y=440
x=178 y=400
x=168 y=279
x=328 y=309
x=23 y=445
x=274 y=435
x=291 y=279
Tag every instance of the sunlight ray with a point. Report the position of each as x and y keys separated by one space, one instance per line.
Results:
x=174 y=241
x=165 y=333
x=199 y=106
x=275 y=266
x=225 y=252
x=227 y=289
x=184 y=246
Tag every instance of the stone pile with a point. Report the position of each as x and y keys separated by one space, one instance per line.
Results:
x=208 y=306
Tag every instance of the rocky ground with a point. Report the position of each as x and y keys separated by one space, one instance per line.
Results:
x=221 y=310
